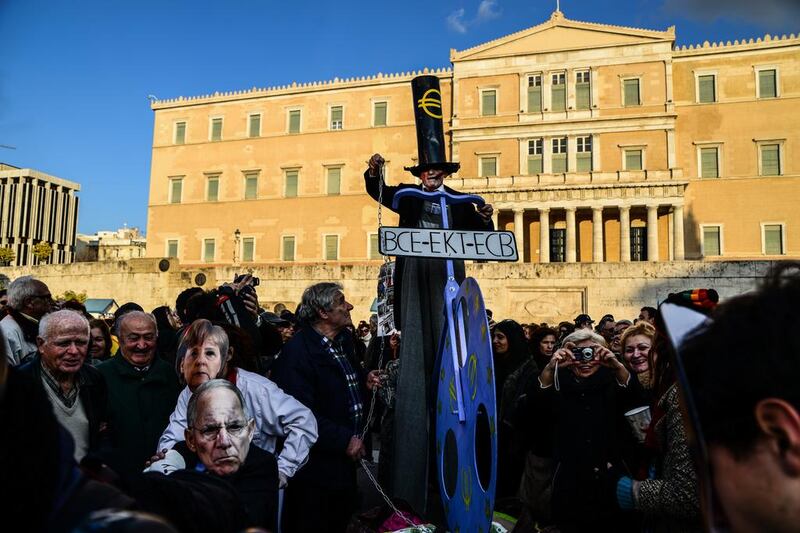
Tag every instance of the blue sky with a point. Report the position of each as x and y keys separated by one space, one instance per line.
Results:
x=75 y=75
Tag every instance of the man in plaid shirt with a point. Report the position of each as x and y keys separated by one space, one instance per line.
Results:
x=318 y=367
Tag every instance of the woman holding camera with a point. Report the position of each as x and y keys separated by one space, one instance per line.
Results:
x=578 y=402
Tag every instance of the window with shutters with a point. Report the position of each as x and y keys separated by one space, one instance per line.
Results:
x=767 y=82
x=209 y=250
x=172 y=248
x=709 y=161
x=216 y=129
x=535 y=156
x=251 y=185
x=212 y=188
x=583 y=158
x=293 y=121
x=287 y=248
x=334 y=180
x=559 y=155
x=379 y=113
x=488 y=166
x=374 y=251
x=706 y=88
x=772 y=236
x=488 y=102
x=558 y=91
x=180 y=133
x=291 y=186
x=337 y=117
x=712 y=240
x=175 y=190
x=331 y=244
x=769 y=155
x=583 y=93
x=630 y=92
x=633 y=159
x=254 y=125
x=248 y=249
x=534 y=93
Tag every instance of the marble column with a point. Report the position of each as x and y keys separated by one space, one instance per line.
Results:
x=544 y=235
x=572 y=242
x=677 y=226
x=519 y=232
x=597 y=234
x=624 y=233
x=496 y=219
x=652 y=233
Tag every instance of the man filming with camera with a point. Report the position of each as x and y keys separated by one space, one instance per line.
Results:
x=578 y=403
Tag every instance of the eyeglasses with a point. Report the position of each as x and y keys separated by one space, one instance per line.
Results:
x=48 y=296
x=210 y=433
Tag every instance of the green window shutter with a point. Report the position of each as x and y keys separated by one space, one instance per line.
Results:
x=583 y=162
x=331 y=247
x=535 y=164
x=633 y=160
x=559 y=97
x=255 y=125
x=288 y=249
x=773 y=239
x=180 y=133
x=216 y=129
x=336 y=117
x=582 y=95
x=489 y=103
x=294 y=121
x=380 y=113
x=248 y=248
x=209 y=247
x=711 y=241
x=705 y=87
x=213 y=189
x=374 y=252
x=559 y=163
x=631 y=92
x=250 y=187
x=172 y=248
x=177 y=191
x=334 y=180
x=534 y=99
x=767 y=88
x=488 y=166
x=709 y=163
x=770 y=160
x=291 y=183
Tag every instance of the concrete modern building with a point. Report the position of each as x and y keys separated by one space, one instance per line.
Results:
x=36 y=207
x=595 y=143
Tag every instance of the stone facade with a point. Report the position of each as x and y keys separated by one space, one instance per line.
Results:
x=595 y=143
x=529 y=292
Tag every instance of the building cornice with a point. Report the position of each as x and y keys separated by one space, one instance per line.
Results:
x=295 y=88
x=31 y=173
x=759 y=44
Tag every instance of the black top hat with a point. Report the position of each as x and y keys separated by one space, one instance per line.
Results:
x=430 y=133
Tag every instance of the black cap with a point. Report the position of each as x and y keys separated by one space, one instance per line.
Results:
x=274 y=319
x=428 y=112
x=581 y=319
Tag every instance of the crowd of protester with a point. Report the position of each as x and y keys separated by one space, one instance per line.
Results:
x=197 y=418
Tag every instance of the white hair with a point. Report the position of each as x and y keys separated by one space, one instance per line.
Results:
x=135 y=314
x=583 y=334
x=57 y=318
x=20 y=289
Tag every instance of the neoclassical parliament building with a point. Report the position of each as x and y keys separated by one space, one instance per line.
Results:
x=594 y=143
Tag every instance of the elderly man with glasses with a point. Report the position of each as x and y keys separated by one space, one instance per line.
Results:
x=28 y=301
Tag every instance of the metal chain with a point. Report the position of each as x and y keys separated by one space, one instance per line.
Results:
x=371 y=413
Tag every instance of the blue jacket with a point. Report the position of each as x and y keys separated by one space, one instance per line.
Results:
x=307 y=371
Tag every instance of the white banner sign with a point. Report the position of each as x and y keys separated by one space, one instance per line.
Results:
x=448 y=244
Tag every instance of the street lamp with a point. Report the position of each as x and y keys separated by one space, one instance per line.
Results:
x=236 y=235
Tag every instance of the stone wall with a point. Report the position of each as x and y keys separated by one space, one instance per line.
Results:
x=525 y=292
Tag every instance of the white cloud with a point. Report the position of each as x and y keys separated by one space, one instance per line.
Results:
x=487 y=10
x=455 y=21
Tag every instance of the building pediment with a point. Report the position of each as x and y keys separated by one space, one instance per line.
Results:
x=559 y=34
